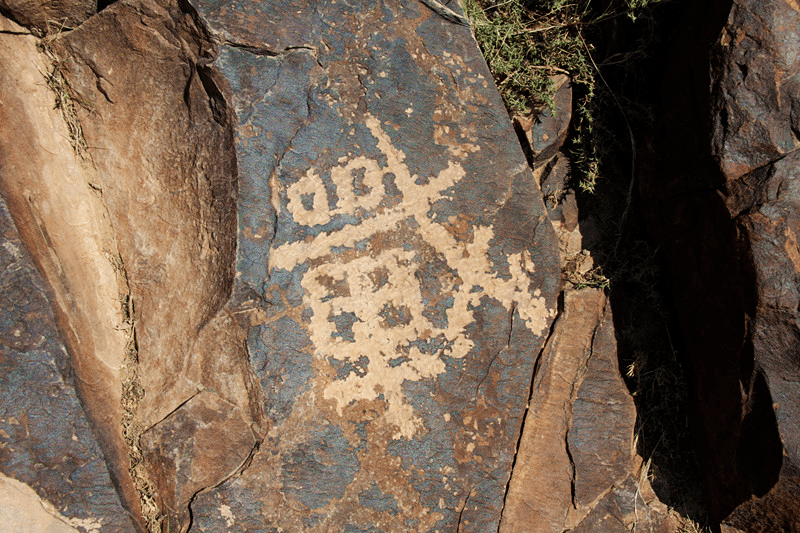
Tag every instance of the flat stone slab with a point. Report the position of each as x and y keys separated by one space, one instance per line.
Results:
x=396 y=265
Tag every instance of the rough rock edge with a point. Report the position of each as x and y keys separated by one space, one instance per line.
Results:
x=66 y=101
x=132 y=391
x=132 y=427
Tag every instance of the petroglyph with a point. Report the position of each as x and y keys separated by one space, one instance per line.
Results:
x=369 y=307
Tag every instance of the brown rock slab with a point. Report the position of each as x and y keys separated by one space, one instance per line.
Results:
x=62 y=224
x=159 y=132
x=543 y=132
x=756 y=86
x=201 y=444
x=51 y=16
x=576 y=467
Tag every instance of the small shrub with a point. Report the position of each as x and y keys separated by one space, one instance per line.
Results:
x=525 y=42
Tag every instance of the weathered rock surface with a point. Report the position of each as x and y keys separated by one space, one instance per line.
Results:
x=756 y=140
x=152 y=217
x=577 y=467
x=395 y=250
x=52 y=16
x=45 y=437
x=544 y=131
x=320 y=275
x=60 y=220
x=23 y=511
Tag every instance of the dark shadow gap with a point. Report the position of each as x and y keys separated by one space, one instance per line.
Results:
x=623 y=237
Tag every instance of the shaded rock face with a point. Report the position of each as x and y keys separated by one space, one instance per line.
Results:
x=576 y=468
x=731 y=247
x=756 y=137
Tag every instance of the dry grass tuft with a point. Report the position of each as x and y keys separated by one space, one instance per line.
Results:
x=66 y=99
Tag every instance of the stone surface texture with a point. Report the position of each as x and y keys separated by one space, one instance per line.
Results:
x=60 y=221
x=48 y=17
x=23 y=511
x=305 y=277
x=577 y=467
x=46 y=440
x=756 y=141
x=402 y=273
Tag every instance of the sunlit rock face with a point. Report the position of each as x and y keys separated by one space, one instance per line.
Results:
x=396 y=265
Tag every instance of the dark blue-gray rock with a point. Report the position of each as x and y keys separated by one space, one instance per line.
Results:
x=396 y=251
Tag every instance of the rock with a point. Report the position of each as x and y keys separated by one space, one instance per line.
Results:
x=23 y=511
x=61 y=221
x=48 y=17
x=577 y=469
x=732 y=211
x=395 y=248
x=170 y=194
x=775 y=511
x=204 y=442
x=322 y=275
x=543 y=132
x=756 y=86
x=755 y=140
x=46 y=440
x=153 y=217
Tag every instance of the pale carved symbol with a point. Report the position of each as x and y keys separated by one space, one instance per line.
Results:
x=368 y=285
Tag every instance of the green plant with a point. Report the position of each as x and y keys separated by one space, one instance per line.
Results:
x=526 y=42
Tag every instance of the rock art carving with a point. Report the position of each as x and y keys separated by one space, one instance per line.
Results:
x=392 y=327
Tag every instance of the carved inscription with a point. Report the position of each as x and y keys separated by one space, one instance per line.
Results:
x=369 y=306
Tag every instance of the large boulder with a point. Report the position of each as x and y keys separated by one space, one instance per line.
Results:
x=577 y=468
x=399 y=267
x=396 y=271
x=306 y=278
